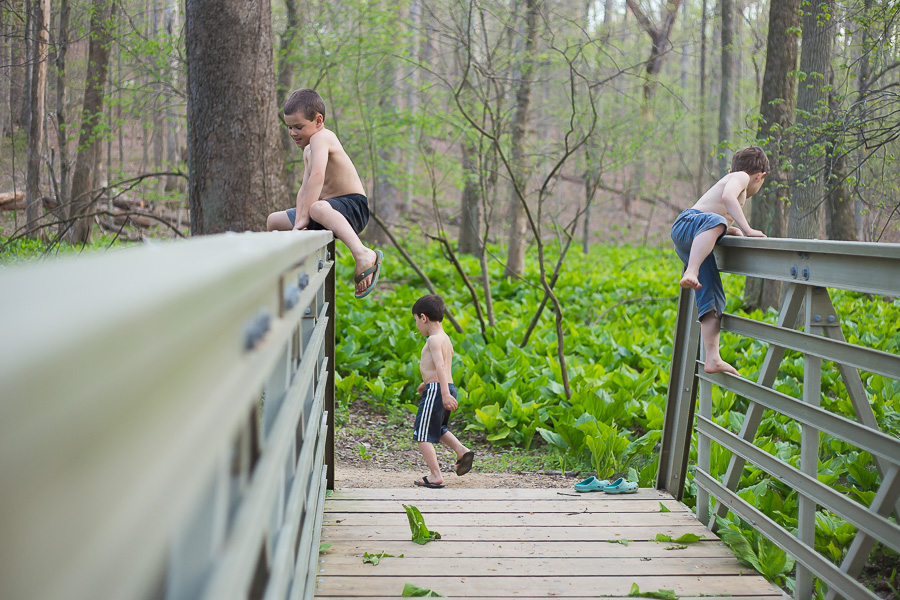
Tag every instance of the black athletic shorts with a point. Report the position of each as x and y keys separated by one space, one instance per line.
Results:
x=354 y=207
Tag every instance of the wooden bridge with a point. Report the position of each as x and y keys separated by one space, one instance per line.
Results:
x=166 y=431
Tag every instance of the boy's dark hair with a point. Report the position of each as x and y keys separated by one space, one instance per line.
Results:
x=305 y=101
x=751 y=160
x=432 y=306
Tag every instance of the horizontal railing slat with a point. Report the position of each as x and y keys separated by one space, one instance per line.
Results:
x=784 y=540
x=244 y=541
x=876 y=525
x=867 y=359
x=859 y=435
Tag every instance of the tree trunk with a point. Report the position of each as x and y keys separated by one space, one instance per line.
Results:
x=5 y=59
x=470 y=215
x=159 y=123
x=25 y=106
x=173 y=154
x=18 y=62
x=807 y=178
x=704 y=145
x=293 y=171
x=840 y=221
x=41 y=27
x=62 y=48
x=234 y=152
x=89 y=145
x=659 y=48
x=726 y=96
x=767 y=208
x=515 y=255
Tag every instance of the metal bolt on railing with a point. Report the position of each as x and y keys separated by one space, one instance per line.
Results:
x=831 y=319
x=256 y=329
x=308 y=311
x=805 y=273
x=303 y=281
x=291 y=297
x=321 y=264
x=794 y=271
x=817 y=318
x=328 y=255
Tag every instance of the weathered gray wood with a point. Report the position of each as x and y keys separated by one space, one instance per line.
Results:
x=546 y=585
x=593 y=503
x=136 y=462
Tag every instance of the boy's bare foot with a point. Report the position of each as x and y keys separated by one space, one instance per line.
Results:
x=367 y=271
x=690 y=281
x=717 y=365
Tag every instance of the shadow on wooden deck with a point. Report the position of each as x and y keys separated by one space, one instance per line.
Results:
x=525 y=543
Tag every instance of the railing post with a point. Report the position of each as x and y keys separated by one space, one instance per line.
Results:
x=676 y=436
x=809 y=446
x=329 y=356
x=704 y=445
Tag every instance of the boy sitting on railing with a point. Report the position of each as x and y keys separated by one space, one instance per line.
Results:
x=697 y=230
x=331 y=196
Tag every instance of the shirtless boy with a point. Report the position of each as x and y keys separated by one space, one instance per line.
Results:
x=697 y=230
x=438 y=393
x=331 y=195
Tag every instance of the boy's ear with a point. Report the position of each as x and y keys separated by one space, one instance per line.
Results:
x=320 y=119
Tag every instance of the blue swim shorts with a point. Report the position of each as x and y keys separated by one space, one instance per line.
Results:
x=689 y=224
x=354 y=207
x=432 y=418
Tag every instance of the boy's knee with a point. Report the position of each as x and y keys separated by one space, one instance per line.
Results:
x=317 y=209
x=270 y=222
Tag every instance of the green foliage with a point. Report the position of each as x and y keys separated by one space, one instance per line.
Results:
x=414 y=591
x=618 y=368
x=375 y=558
x=420 y=533
x=636 y=592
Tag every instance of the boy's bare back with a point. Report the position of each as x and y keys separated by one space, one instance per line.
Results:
x=325 y=157
x=436 y=354
x=727 y=198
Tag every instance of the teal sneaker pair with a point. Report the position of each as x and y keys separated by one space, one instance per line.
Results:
x=619 y=486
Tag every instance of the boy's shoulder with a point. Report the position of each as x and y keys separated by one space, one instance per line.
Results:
x=440 y=338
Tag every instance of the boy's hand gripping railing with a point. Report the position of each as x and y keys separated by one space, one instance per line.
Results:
x=166 y=420
x=806 y=268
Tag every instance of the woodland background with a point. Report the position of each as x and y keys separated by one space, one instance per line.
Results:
x=524 y=159
x=472 y=121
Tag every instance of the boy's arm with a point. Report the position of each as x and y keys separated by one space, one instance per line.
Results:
x=734 y=187
x=437 y=355
x=313 y=178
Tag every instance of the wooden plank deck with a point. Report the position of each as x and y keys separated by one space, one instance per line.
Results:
x=524 y=543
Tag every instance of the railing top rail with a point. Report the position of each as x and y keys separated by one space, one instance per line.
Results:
x=858 y=249
x=49 y=308
x=130 y=391
x=857 y=266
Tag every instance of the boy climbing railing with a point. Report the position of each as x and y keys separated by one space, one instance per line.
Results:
x=166 y=419
x=806 y=268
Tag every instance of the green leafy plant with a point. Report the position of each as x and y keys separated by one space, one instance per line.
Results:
x=414 y=591
x=420 y=533
x=375 y=558
x=636 y=592
x=687 y=538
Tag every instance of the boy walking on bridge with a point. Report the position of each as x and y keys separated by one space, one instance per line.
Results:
x=697 y=230
x=438 y=393
x=331 y=196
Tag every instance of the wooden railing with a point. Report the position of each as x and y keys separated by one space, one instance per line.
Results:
x=807 y=269
x=166 y=419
